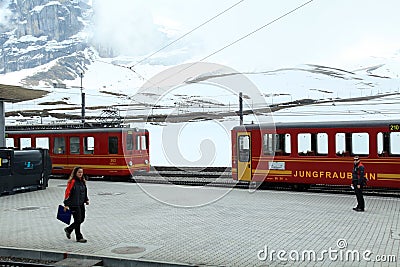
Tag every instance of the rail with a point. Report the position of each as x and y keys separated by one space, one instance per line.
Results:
x=222 y=177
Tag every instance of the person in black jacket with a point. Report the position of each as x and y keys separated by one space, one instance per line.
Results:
x=76 y=197
x=358 y=182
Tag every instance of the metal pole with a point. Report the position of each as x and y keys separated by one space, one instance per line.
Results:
x=2 y=125
x=241 y=108
x=83 y=99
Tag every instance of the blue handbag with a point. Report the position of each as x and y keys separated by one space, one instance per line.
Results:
x=64 y=216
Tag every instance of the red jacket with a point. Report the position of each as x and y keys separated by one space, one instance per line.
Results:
x=75 y=193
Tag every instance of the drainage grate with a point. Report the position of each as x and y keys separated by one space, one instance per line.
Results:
x=128 y=250
x=395 y=234
x=29 y=208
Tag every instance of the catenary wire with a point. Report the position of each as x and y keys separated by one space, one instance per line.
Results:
x=184 y=35
x=240 y=39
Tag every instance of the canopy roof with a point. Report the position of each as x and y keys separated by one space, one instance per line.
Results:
x=14 y=94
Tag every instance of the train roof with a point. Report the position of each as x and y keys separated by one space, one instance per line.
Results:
x=321 y=124
x=83 y=130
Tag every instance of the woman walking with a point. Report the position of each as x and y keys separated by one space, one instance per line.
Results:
x=76 y=197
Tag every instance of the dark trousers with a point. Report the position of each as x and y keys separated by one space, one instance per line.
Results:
x=360 y=198
x=79 y=216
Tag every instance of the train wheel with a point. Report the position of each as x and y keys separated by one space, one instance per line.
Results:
x=254 y=185
x=300 y=187
x=107 y=178
x=120 y=178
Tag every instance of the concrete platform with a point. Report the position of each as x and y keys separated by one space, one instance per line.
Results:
x=129 y=224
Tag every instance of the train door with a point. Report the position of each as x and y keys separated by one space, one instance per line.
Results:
x=244 y=156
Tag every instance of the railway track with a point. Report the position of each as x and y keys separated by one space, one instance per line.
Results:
x=221 y=177
x=20 y=262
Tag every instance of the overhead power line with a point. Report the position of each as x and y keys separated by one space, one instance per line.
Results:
x=241 y=38
x=260 y=28
x=201 y=25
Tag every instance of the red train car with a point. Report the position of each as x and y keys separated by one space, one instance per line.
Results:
x=317 y=152
x=108 y=151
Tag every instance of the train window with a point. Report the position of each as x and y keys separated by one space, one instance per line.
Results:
x=269 y=144
x=59 y=145
x=287 y=146
x=144 y=142
x=340 y=143
x=276 y=144
x=360 y=144
x=74 y=144
x=25 y=142
x=113 y=145
x=42 y=142
x=304 y=144
x=383 y=142
x=379 y=143
x=395 y=143
x=10 y=142
x=88 y=145
x=322 y=143
x=129 y=141
x=244 y=148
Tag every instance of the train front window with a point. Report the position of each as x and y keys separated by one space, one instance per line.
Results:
x=59 y=145
x=113 y=145
x=137 y=143
x=244 y=148
x=74 y=145
x=144 y=142
x=129 y=141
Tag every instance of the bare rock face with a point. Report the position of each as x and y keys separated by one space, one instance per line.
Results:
x=39 y=31
x=58 y=20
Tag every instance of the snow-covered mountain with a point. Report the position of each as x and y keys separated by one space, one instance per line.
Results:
x=48 y=44
x=36 y=32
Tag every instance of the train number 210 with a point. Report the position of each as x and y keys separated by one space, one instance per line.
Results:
x=394 y=127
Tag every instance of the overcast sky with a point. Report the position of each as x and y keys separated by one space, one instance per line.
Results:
x=342 y=33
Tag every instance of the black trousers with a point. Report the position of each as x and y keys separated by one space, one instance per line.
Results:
x=79 y=216
x=360 y=197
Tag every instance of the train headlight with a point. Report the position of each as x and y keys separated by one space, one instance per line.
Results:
x=146 y=161
x=130 y=163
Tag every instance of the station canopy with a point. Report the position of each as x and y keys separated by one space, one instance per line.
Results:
x=14 y=94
